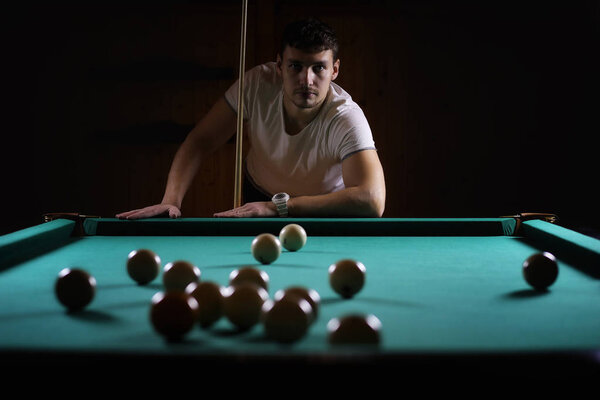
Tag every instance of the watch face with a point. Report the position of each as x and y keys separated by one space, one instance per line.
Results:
x=279 y=196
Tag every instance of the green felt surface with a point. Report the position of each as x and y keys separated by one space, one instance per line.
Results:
x=431 y=293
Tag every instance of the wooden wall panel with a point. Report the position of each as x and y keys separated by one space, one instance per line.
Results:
x=476 y=110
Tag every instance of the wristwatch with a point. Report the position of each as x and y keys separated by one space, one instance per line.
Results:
x=280 y=200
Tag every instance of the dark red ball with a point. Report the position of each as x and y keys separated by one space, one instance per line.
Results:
x=540 y=270
x=75 y=288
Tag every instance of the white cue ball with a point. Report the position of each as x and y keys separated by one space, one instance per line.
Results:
x=266 y=248
x=292 y=237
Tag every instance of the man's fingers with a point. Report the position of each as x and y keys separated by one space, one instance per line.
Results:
x=126 y=214
x=152 y=211
x=174 y=212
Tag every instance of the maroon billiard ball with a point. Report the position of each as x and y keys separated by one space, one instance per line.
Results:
x=75 y=288
x=242 y=304
x=173 y=314
x=540 y=270
x=301 y=292
x=178 y=275
x=143 y=266
x=286 y=320
x=347 y=277
x=354 y=329
x=210 y=301
x=249 y=275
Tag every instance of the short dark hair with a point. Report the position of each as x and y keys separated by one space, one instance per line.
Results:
x=310 y=35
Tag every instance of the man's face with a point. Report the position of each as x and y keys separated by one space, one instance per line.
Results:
x=306 y=76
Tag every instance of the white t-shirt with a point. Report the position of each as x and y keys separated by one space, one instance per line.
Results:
x=308 y=163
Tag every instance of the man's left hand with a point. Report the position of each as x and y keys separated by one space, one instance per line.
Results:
x=248 y=210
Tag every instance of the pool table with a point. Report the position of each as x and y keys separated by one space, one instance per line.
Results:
x=449 y=293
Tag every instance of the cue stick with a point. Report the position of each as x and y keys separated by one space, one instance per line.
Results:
x=237 y=201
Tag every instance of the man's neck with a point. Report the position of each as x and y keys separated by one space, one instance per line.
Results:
x=296 y=118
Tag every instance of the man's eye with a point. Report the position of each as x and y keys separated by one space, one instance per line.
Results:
x=318 y=68
x=296 y=67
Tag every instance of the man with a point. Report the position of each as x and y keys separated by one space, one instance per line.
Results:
x=311 y=148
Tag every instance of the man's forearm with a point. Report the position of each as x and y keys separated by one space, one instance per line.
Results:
x=183 y=169
x=206 y=137
x=349 y=202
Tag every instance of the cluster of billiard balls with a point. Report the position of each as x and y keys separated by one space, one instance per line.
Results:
x=187 y=300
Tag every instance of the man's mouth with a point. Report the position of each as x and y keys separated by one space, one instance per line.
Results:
x=306 y=93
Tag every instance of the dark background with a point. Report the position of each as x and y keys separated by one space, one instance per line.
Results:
x=478 y=110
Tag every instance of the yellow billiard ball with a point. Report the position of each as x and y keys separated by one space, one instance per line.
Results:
x=292 y=237
x=173 y=314
x=354 y=329
x=143 y=266
x=251 y=275
x=266 y=248
x=210 y=301
x=178 y=274
x=242 y=304
x=286 y=320
x=75 y=288
x=347 y=277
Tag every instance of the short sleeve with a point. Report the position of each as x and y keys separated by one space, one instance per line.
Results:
x=350 y=132
x=231 y=95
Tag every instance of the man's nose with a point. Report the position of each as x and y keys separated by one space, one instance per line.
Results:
x=306 y=77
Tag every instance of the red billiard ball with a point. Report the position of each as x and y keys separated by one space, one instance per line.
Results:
x=286 y=320
x=310 y=295
x=173 y=314
x=143 y=266
x=540 y=270
x=178 y=274
x=251 y=275
x=210 y=301
x=75 y=288
x=242 y=304
x=354 y=329
x=347 y=277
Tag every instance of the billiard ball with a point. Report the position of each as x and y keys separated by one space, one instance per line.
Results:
x=540 y=270
x=354 y=329
x=286 y=320
x=300 y=292
x=249 y=274
x=178 y=274
x=210 y=301
x=242 y=304
x=266 y=248
x=292 y=237
x=143 y=266
x=347 y=277
x=75 y=288
x=173 y=314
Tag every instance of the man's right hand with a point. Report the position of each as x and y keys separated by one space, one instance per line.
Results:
x=152 y=211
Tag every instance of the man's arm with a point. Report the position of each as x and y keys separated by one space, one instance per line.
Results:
x=363 y=196
x=206 y=137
